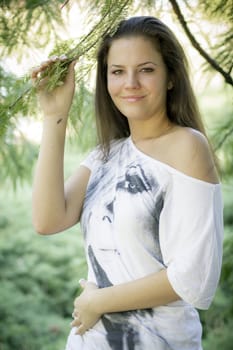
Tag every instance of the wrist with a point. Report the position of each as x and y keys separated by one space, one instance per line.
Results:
x=55 y=117
x=55 y=121
x=96 y=302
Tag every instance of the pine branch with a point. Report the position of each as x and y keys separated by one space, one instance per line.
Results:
x=57 y=72
x=223 y=139
x=64 y=4
x=197 y=46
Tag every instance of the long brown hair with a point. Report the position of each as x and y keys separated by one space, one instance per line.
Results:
x=181 y=106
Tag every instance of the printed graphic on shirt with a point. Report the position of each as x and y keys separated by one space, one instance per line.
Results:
x=125 y=209
x=122 y=210
x=122 y=331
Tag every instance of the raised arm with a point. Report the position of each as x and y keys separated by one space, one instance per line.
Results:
x=56 y=206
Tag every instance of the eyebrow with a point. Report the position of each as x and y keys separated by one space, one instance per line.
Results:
x=139 y=65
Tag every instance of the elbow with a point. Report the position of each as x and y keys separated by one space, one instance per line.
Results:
x=43 y=228
x=45 y=223
x=43 y=231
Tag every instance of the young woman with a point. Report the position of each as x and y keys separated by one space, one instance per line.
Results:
x=148 y=196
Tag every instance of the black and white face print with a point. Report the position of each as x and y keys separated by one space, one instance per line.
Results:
x=120 y=222
x=122 y=208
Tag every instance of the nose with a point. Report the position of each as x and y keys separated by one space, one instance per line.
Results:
x=132 y=81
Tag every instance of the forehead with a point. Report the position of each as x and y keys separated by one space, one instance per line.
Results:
x=133 y=49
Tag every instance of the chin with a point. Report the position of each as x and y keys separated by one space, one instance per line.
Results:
x=136 y=117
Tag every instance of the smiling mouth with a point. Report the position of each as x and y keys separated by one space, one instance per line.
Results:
x=132 y=98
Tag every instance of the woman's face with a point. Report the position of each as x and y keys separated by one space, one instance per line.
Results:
x=137 y=78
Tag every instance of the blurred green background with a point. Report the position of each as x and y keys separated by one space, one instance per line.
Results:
x=39 y=274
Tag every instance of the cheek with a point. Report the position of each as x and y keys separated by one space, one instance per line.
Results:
x=113 y=86
x=158 y=87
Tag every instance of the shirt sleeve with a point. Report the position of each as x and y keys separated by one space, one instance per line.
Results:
x=191 y=235
x=93 y=159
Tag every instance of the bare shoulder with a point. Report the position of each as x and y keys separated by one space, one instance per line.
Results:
x=191 y=154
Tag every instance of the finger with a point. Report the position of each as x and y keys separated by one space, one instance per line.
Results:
x=37 y=71
x=70 y=76
x=75 y=313
x=76 y=322
x=62 y=57
x=81 y=330
x=34 y=72
x=82 y=282
x=39 y=83
x=43 y=66
x=53 y=58
x=76 y=303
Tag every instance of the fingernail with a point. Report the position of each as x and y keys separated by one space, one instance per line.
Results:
x=73 y=63
x=53 y=58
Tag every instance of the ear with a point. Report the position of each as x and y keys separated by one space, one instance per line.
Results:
x=170 y=85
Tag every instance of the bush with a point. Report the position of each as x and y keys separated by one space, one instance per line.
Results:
x=220 y=338
x=218 y=320
x=39 y=281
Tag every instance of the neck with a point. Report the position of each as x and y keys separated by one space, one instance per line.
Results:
x=143 y=130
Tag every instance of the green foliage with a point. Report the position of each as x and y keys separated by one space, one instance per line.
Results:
x=218 y=320
x=39 y=279
x=224 y=141
x=18 y=100
x=17 y=96
x=82 y=130
x=228 y=203
x=221 y=338
x=10 y=93
x=217 y=110
x=108 y=15
x=16 y=160
x=17 y=153
x=25 y=331
x=215 y=11
x=27 y=23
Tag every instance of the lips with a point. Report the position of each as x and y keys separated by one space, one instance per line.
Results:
x=132 y=98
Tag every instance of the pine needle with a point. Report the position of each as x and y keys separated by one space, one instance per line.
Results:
x=111 y=13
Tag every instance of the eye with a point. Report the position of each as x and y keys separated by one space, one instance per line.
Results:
x=135 y=181
x=117 y=72
x=132 y=186
x=147 y=70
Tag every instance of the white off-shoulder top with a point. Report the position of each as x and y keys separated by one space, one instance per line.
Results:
x=141 y=215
